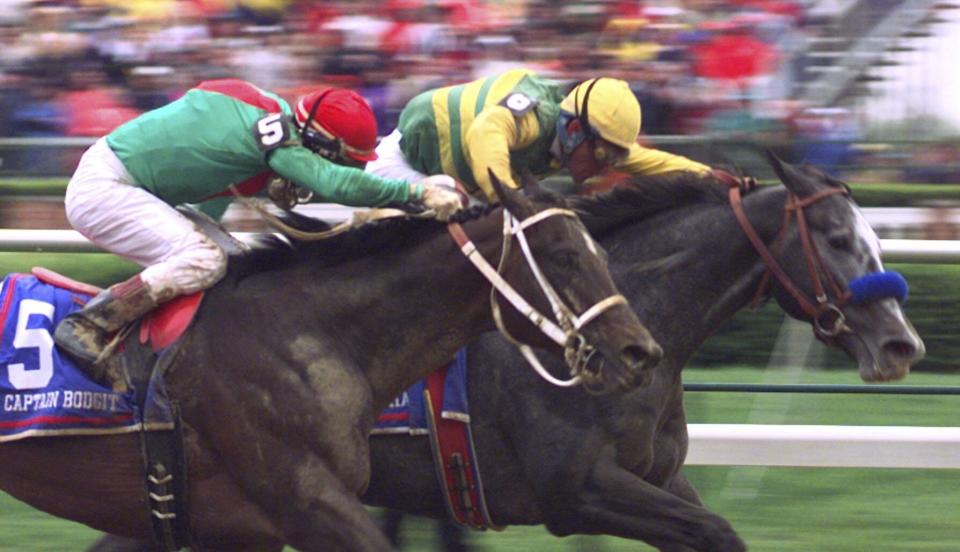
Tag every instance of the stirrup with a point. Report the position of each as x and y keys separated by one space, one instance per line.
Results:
x=80 y=340
x=101 y=365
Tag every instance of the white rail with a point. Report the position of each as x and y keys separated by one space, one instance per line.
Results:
x=70 y=241
x=823 y=446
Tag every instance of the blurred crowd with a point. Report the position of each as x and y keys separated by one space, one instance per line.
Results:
x=714 y=68
x=80 y=67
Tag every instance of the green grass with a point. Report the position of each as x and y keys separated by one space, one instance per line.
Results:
x=33 y=186
x=100 y=269
x=901 y=195
x=774 y=509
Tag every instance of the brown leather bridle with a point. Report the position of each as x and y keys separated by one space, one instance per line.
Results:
x=827 y=316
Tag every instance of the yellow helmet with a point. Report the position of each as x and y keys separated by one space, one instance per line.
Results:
x=608 y=107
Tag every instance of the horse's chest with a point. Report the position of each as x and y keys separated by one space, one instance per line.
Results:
x=636 y=452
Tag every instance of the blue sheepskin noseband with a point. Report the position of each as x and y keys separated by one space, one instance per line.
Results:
x=879 y=285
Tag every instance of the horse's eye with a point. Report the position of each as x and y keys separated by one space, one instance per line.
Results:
x=840 y=242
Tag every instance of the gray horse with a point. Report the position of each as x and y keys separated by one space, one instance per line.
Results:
x=579 y=463
x=612 y=465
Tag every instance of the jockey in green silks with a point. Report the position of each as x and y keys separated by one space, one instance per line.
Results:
x=223 y=137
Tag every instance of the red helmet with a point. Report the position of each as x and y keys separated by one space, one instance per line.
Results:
x=337 y=123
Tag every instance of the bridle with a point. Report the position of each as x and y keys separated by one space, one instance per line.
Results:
x=826 y=314
x=565 y=331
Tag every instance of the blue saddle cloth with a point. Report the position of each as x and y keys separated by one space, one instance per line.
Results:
x=408 y=414
x=42 y=392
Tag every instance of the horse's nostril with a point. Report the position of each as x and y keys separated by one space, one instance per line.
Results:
x=900 y=349
x=635 y=355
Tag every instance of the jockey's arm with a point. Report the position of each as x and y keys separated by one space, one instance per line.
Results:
x=645 y=161
x=338 y=184
x=491 y=136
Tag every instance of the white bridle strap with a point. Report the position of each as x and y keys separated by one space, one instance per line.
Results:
x=599 y=309
x=534 y=363
x=546 y=325
x=562 y=313
x=545 y=214
x=566 y=333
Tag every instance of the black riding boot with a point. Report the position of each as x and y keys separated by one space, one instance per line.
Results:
x=83 y=335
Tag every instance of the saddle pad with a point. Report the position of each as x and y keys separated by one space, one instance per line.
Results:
x=65 y=282
x=407 y=413
x=164 y=325
x=161 y=327
x=41 y=392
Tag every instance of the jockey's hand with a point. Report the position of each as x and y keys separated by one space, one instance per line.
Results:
x=440 y=195
x=286 y=195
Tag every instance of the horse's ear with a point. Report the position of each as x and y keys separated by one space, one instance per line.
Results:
x=798 y=182
x=512 y=200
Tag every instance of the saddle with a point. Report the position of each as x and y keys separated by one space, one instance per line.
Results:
x=165 y=324
x=140 y=368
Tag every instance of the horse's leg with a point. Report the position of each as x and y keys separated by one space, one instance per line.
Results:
x=681 y=486
x=222 y=517
x=613 y=501
x=113 y=543
x=97 y=480
x=321 y=514
x=306 y=475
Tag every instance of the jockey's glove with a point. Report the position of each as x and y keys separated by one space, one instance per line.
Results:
x=286 y=195
x=440 y=195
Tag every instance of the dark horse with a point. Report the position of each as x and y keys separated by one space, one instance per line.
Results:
x=297 y=350
x=612 y=465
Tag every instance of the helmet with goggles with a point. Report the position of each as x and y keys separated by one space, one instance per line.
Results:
x=338 y=124
x=605 y=108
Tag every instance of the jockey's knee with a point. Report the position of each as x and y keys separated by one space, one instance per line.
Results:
x=211 y=265
x=193 y=269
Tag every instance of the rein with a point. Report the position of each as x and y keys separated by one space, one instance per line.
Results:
x=566 y=331
x=828 y=319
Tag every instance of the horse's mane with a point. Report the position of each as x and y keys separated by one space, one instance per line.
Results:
x=388 y=234
x=640 y=197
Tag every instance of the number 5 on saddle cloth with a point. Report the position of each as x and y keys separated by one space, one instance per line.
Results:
x=42 y=391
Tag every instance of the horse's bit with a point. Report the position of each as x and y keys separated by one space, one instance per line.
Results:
x=828 y=318
x=566 y=331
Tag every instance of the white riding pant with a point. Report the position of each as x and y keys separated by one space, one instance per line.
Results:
x=103 y=204
x=391 y=163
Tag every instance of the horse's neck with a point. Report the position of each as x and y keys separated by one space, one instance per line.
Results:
x=430 y=301
x=688 y=274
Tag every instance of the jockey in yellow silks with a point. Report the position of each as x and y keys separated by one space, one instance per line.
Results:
x=519 y=120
